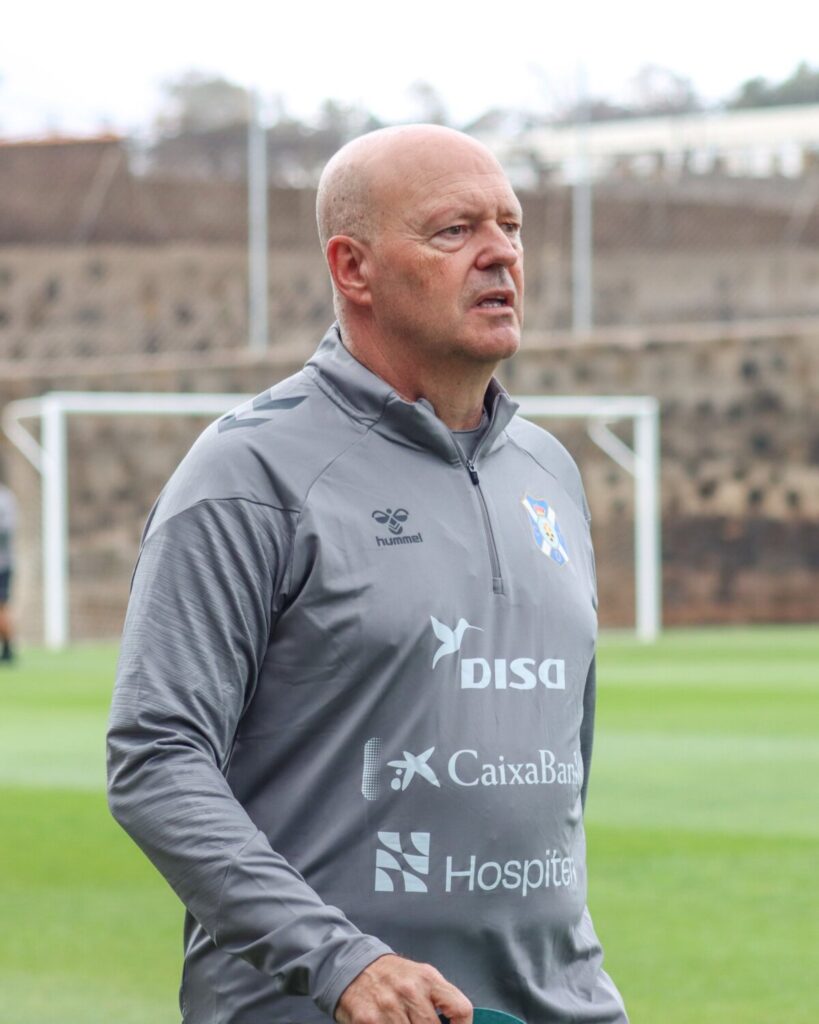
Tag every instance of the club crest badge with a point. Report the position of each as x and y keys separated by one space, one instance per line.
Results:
x=547 y=533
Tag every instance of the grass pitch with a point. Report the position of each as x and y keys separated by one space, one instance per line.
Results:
x=703 y=823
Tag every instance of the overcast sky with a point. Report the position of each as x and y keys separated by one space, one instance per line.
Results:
x=76 y=67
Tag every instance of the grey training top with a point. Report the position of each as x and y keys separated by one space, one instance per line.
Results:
x=8 y=524
x=468 y=440
x=354 y=705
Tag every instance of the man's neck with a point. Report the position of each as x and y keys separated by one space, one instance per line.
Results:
x=455 y=390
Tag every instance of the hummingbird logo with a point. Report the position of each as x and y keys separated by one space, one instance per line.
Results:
x=451 y=639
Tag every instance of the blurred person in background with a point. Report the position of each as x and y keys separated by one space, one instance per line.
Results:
x=8 y=524
x=353 y=716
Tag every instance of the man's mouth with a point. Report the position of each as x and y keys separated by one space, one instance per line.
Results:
x=495 y=300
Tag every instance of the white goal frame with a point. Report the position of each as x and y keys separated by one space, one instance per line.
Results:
x=50 y=458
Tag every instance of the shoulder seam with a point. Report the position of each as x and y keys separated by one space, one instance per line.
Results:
x=531 y=455
x=312 y=484
x=213 y=501
x=335 y=396
x=546 y=469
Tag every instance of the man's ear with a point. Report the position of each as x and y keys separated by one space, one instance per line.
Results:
x=349 y=264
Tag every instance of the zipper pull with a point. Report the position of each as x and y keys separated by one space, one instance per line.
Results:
x=473 y=473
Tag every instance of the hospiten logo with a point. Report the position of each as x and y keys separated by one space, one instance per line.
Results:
x=402 y=864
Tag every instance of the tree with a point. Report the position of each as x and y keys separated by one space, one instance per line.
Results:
x=654 y=91
x=201 y=102
x=205 y=134
x=657 y=90
x=429 y=103
x=802 y=86
x=345 y=121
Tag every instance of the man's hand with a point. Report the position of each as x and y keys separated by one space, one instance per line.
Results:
x=397 y=991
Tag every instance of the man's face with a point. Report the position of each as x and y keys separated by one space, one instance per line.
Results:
x=447 y=261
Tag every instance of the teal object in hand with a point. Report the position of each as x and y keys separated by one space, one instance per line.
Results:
x=483 y=1016
x=480 y=1015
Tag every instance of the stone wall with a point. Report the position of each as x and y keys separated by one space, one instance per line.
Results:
x=740 y=468
x=88 y=302
x=163 y=265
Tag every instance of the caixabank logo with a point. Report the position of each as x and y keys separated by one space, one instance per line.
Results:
x=408 y=863
x=464 y=767
x=524 y=672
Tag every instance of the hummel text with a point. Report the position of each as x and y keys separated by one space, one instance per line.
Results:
x=409 y=538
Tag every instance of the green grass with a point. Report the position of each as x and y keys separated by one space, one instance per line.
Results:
x=91 y=934
x=703 y=824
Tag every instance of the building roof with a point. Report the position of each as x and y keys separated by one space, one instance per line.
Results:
x=748 y=141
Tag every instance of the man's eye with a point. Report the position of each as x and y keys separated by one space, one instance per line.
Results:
x=511 y=228
x=454 y=230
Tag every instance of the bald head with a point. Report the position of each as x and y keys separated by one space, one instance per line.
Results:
x=421 y=232
x=359 y=183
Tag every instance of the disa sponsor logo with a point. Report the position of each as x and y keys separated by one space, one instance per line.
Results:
x=521 y=673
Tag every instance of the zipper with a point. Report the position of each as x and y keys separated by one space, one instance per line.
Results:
x=497 y=579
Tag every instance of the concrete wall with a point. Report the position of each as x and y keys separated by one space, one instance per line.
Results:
x=740 y=468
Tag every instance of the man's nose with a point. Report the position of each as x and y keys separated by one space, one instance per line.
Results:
x=499 y=249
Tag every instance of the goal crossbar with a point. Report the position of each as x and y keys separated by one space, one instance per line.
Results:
x=49 y=457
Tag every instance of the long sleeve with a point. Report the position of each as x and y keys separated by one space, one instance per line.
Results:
x=207 y=588
x=587 y=726
x=590 y=689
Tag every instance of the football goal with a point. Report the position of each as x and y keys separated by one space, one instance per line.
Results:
x=49 y=456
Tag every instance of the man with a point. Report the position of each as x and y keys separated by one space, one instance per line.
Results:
x=353 y=714
x=8 y=524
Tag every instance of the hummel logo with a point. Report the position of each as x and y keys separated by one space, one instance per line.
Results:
x=387 y=864
x=392 y=519
x=450 y=638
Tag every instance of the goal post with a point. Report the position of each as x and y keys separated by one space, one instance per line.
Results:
x=50 y=458
x=642 y=463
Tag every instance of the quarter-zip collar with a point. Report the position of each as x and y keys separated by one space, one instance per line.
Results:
x=368 y=398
